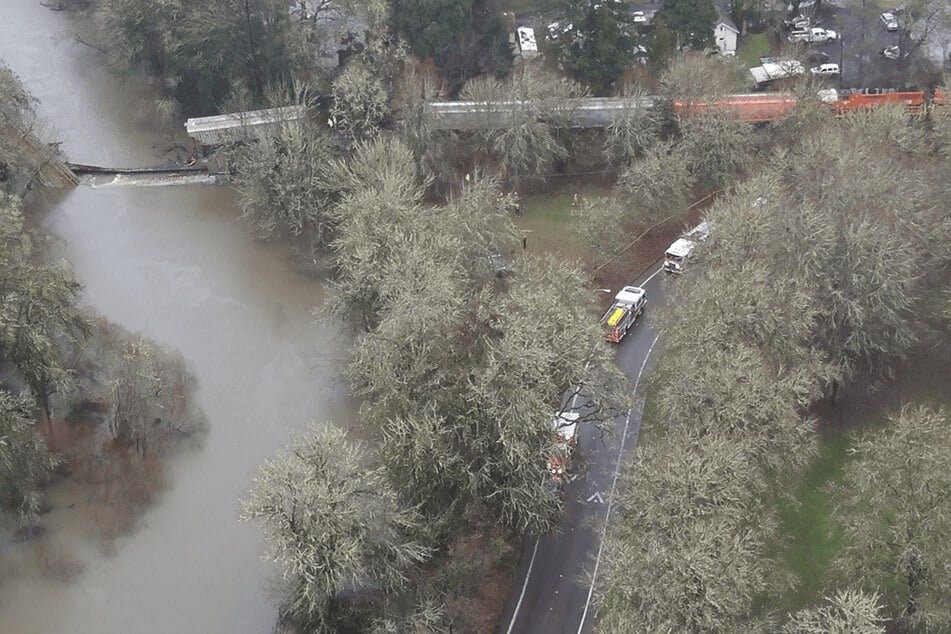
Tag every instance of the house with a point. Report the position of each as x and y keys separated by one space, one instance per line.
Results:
x=725 y=33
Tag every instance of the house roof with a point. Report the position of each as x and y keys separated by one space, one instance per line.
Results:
x=724 y=18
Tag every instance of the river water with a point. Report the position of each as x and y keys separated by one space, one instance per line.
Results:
x=172 y=263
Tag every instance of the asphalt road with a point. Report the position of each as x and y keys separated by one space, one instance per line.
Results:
x=551 y=591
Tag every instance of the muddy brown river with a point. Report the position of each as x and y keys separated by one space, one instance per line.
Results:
x=174 y=264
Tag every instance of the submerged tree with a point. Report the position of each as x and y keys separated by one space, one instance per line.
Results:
x=149 y=392
x=25 y=462
x=38 y=310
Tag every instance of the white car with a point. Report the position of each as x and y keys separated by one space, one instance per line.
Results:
x=555 y=30
x=804 y=4
x=639 y=17
x=825 y=70
x=640 y=54
x=814 y=34
x=889 y=21
x=891 y=52
x=800 y=22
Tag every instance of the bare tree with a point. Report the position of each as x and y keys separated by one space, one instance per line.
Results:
x=861 y=239
x=436 y=150
x=693 y=77
x=634 y=129
x=718 y=147
x=361 y=101
x=524 y=114
x=455 y=437
x=460 y=370
x=893 y=504
x=657 y=186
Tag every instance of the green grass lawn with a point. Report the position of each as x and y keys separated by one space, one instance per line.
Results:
x=752 y=47
x=811 y=538
x=549 y=225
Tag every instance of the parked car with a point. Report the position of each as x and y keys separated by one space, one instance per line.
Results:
x=639 y=17
x=825 y=70
x=817 y=57
x=891 y=52
x=798 y=22
x=641 y=54
x=804 y=4
x=889 y=21
x=556 y=30
x=814 y=34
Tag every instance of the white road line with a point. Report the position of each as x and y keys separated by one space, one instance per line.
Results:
x=652 y=276
x=617 y=469
x=528 y=575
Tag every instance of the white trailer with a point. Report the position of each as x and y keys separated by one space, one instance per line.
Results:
x=527 y=45
x=774 y=71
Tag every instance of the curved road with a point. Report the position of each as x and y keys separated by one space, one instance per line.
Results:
x=552 y=590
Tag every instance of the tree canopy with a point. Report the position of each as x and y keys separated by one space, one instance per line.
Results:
x=690 y=21
x=894 y=506
x=424 y=283
x=432 y=26
x=600 y=43
x=332 y=523
x=207 y=52
x=25 y=462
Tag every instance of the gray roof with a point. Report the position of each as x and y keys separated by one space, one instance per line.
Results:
x=723 y=17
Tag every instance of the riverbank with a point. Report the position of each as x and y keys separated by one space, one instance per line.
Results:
x=172 y=264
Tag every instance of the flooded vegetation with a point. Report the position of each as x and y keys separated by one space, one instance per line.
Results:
x=127 y=544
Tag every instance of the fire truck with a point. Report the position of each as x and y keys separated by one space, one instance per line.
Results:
x=677 y=254
x=628 y=305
